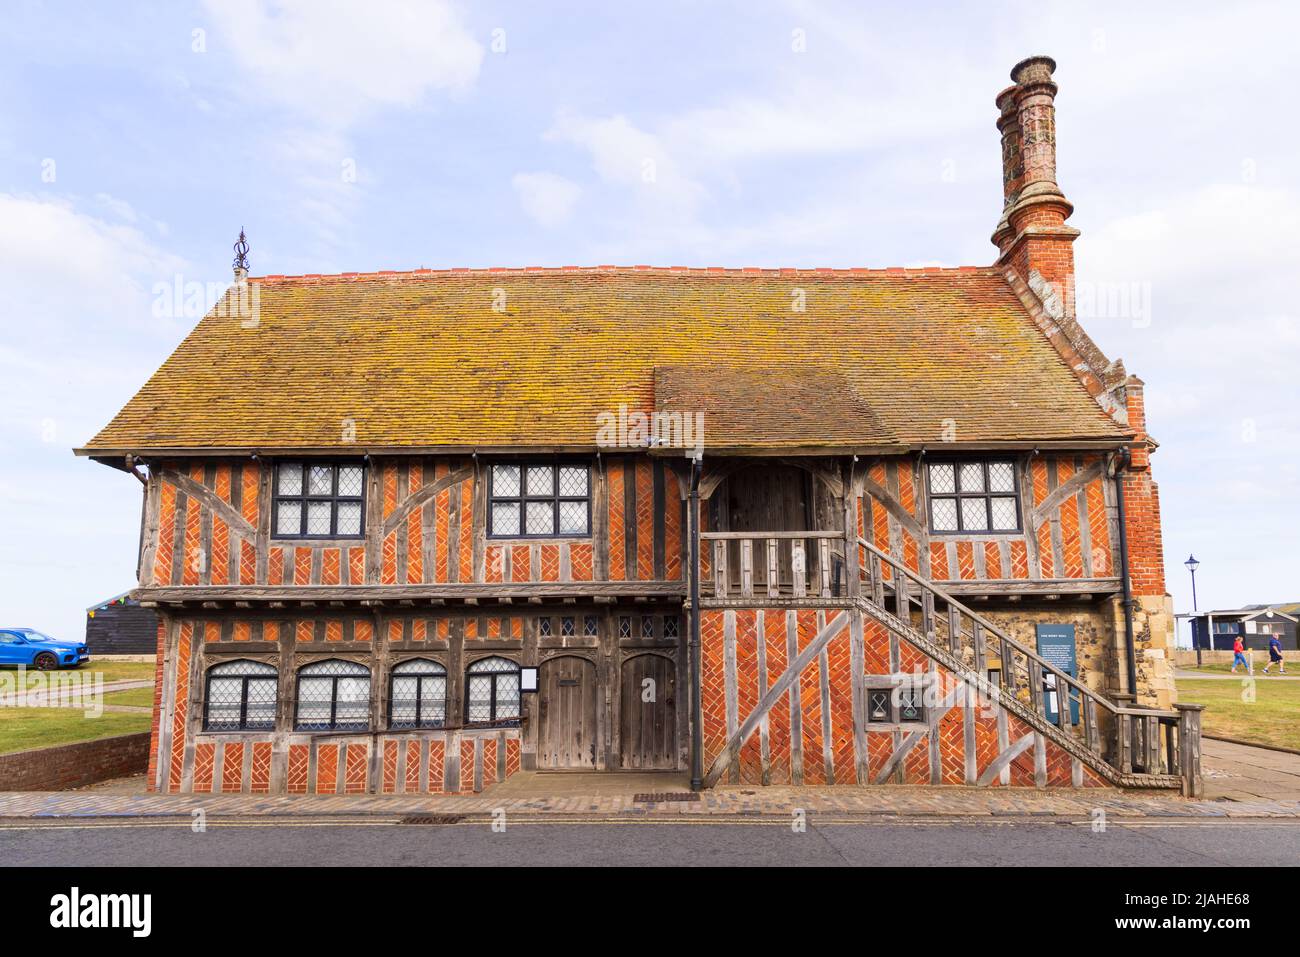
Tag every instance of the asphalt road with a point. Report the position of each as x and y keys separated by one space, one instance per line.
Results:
x=645 y=845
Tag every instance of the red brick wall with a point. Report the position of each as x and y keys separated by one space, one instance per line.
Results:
x=782 y=632
x=75 y=765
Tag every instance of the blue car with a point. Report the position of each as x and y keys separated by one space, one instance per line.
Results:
x=26 y=646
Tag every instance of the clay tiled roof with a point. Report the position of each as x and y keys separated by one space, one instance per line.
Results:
x=423 y=360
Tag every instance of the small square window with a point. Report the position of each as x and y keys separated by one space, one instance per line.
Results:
x=505 y=480
x=505 y=518
x=975 y=497
x=974 y=514
x=544 y=627
x=541 y=518
x=670 y=626
x=590 y=626
x=901 y=705
x=566 y=627
x=541 y=480
x=625 y=627
x=647 y=626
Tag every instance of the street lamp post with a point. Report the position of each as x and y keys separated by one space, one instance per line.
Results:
x=1192 y=564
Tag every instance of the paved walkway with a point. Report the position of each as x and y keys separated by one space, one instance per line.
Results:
x=534 y=797
x=1225 y=676
x=1238 y=772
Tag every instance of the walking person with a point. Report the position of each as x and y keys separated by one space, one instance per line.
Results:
x=1275 y=655
x=1239 y=654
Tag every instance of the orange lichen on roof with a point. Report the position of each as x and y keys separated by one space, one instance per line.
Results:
x=531 y=358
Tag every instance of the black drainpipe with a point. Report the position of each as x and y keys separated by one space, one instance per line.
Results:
x=697 y=700
x=1120 y=468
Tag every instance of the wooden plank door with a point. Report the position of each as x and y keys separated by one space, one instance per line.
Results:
x=767 y=498
x=648 y=728
x=566 y=736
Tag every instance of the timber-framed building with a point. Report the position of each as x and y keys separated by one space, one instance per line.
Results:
x=414 y=532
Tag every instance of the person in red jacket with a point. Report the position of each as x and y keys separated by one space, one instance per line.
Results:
x=1239 y=654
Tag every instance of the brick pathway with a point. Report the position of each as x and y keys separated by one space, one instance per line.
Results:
x=720 y=803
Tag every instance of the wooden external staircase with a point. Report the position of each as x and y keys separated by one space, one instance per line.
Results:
x=1130 y=747
x=1126 y=746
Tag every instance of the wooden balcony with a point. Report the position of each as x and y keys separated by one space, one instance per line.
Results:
x=801 y=565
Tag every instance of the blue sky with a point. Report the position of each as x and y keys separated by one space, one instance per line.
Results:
x=136 y=140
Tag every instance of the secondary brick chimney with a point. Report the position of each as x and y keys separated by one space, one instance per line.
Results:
x=1031 y=236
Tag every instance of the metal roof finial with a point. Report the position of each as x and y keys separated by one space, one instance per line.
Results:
x=241 y=253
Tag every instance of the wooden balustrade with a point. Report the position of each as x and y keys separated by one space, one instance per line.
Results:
x=776 y=564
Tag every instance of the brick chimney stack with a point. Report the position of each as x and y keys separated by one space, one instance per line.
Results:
x=1031 y=236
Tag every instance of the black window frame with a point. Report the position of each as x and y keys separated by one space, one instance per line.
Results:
x=892 y=693
x=523 y=498
x=304 y=498
x=334 y=698
x=243 y=696
x=957 y=495
x=494 y=721
x=394 y=675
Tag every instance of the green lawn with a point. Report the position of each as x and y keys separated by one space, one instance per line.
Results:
x=1222 y=669
x=121 y=670
x=23 y=728
x=1273 y=717
x=138 y=697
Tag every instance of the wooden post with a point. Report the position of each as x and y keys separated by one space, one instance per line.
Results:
x=747 y=567
x=773 y=569
x=1189 y=748
x=799 y=568
x=1124 y=728
x=720 y=568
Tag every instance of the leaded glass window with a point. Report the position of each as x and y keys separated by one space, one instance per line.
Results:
x=566 y=627
x=241 y=696
x=590 y=626
x=319 y=500
x=492 y=692
x=647 y=626
x=670 y=626
x=418 y=695
x=904 y=704
x=624 y=626
x=973 y=497
x=534 y=500
x=333 y=695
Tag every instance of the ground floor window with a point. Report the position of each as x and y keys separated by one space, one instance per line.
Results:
x=492 y=691
x=418 y=695
x=333 y=696
x=241 y=696
x=901 y=705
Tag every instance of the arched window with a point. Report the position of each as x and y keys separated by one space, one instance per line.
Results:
x=492 y=691
x=333 y=696
x=418 y=695
x=240 y=697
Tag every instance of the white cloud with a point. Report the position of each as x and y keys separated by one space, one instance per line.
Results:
x=337 y=60
x=546 y=197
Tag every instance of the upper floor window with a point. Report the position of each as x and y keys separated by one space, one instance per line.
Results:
x=318 y=500
x=492 y=691
x=973 y=497
x=539 y=501
x=240 y=696
x=333 y=696
x=419 y=695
